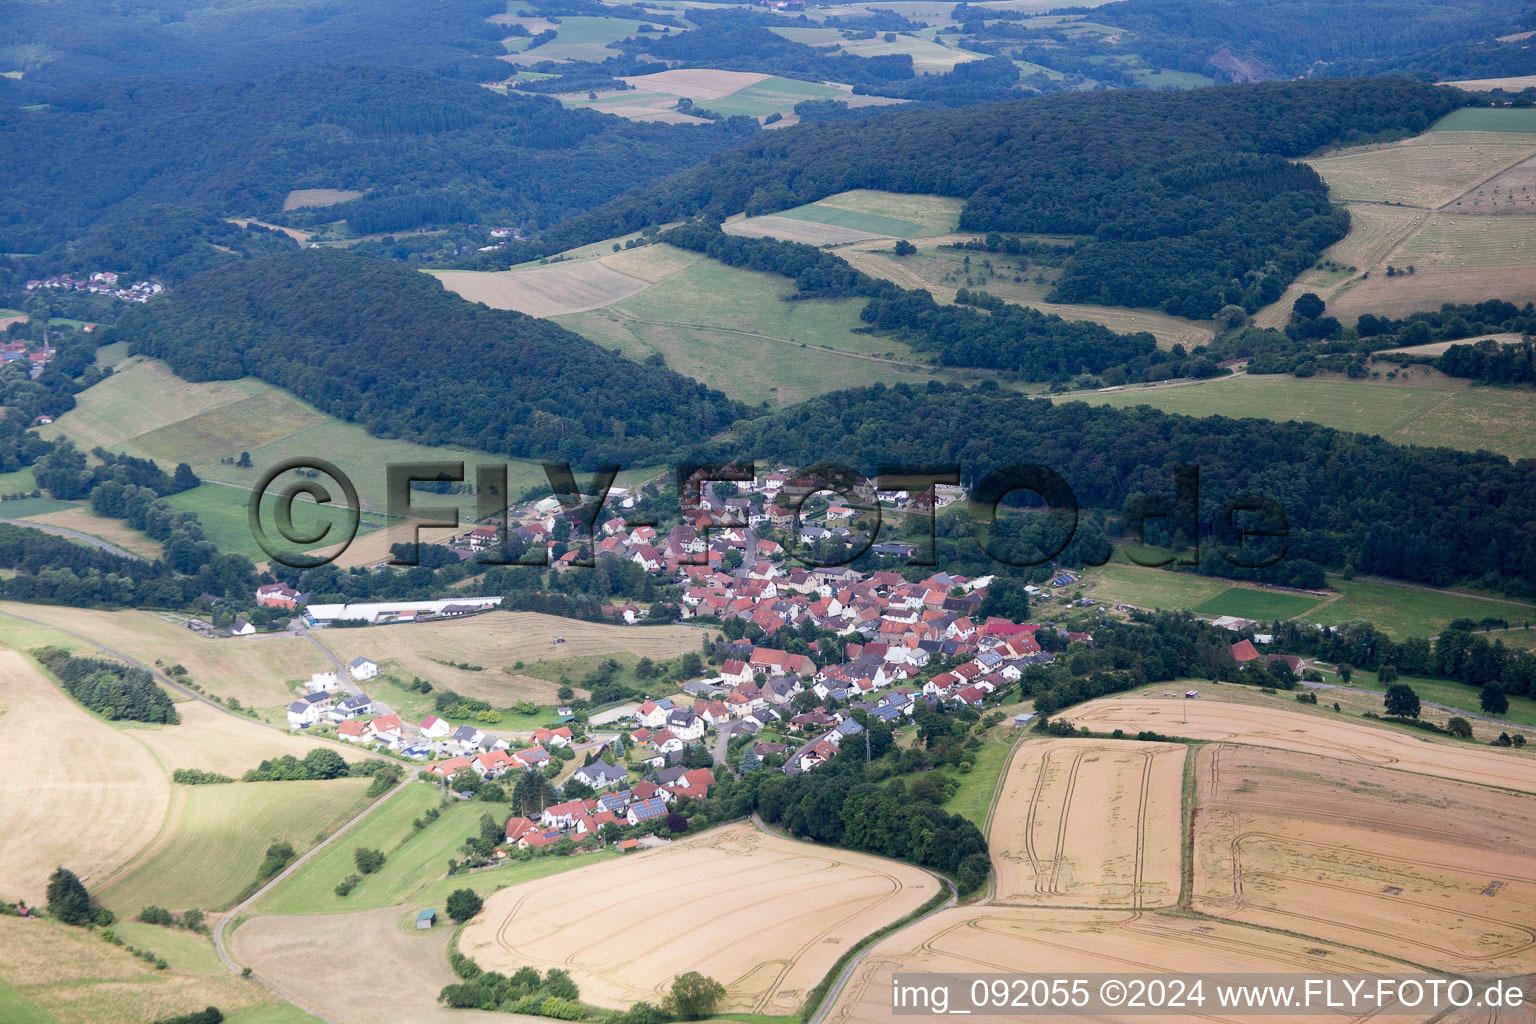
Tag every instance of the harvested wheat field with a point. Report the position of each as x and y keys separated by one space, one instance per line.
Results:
x=1437 y=873
x=788 y=229
x=113 y=531
x=1427 y=170
x=765 y=916
x=1321 y=733
x=219 y=741
x=1010 y=940
x=1086 y=823
x=358 y=968
x=1511 y=192
x=255 y=670
x=496 y=641
x=570 y=286
x=302 y=197
x=1430 y=287
x=1374 y=232
x=698 y=84
x=76 y=978
x=75 y=791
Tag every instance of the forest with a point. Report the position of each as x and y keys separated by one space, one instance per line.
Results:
x=111 y=689
x=1188 y=198
x=426 y=149
x=1430 y=515
x=376 y=343
x=1285 y=38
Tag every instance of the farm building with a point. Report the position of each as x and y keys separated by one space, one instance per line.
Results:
x=426 y=919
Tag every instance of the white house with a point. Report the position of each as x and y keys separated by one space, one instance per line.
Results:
x=685 y=725
x=242 y=627
x=600 y=775
x=302 y=715
x=435 y=728
x=323 y=682
x=362 y=668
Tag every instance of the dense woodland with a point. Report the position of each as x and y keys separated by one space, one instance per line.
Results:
x=376 y=343
x=1282 y=38
x=428 y=151
x=1431 y=515
x=1189 y=198
x=110 y=688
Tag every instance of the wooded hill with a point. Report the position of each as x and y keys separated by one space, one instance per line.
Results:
x=374 y=342
x=1431 y=515
x=428 y=150
x=1190 y=198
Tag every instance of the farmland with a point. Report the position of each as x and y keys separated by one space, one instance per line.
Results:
x=94 y=816
x=1084 y=823
x=415 y=868
x=941 y=271
x=113 y=531
x=55 y=974
x=215 y=837
x=145 y=409
x=765 y=915
x=1319 y=732
x=729 y=93
x=569 y=286
x=578 y=38
x=1428 y=170
x=255 y=670
x=1419 y=407
x=302 y=197
x=1264 y=605
x=856 y=216
x=497 y=642
x=1002 y=940
x=394 y=972
x=1356 y=854
x=1403 y=610
x=929 y=56
x=731 y=329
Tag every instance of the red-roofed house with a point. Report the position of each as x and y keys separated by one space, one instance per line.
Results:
x=1243 y=651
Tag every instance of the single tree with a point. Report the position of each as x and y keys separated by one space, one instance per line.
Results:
x=67 y=899
x=1459 y=727
x=750 y=762
x=694 y=996
x=1308 y=307
x=463 y=904
x=1492 y=700
x=1402 y=702
x=368 y=860
x=1386 y=675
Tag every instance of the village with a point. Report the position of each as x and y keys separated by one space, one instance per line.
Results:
x=909 y=645
x=99 y=282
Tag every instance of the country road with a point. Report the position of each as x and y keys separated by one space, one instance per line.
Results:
x=84 y=538
x=221 y=926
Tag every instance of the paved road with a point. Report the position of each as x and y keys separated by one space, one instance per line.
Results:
x=60 y=531
x=722 y=740
x=232 y=913
x=841 y=981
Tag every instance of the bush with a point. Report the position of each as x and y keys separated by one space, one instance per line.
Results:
x=368 y=860
x=278 y=856
x=463 y=904
x=346 y=885
x=156 y=915
x=211 y=1015
x=197 y=777
x=1459 y=727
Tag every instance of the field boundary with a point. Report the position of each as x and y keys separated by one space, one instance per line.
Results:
x=233 y=913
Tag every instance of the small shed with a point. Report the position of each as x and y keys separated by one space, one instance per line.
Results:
x=1020 y=721
x=426 y=919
